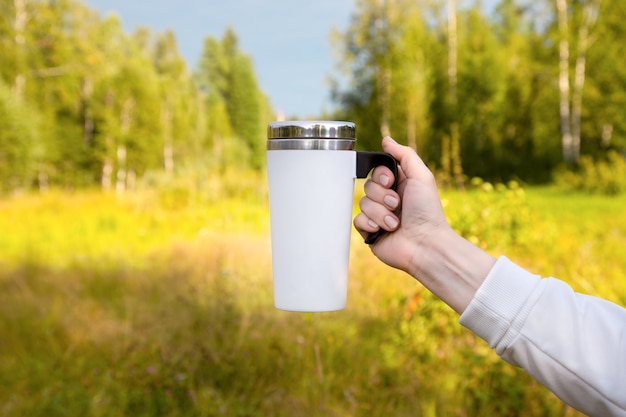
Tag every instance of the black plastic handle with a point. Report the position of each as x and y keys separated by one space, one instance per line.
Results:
x=367 y=161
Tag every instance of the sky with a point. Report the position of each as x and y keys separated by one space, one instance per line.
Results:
x=288 y=40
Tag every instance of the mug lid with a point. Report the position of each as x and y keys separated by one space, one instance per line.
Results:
x=317 y=129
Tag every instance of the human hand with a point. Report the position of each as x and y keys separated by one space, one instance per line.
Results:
x=413 y=215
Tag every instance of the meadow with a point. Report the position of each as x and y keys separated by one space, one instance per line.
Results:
x=159 y=303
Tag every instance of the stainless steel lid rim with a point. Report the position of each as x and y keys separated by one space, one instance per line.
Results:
x=320 y=129
x=311 y=144
x=311 y=135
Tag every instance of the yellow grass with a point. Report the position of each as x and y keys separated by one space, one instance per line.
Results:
x=146 y=305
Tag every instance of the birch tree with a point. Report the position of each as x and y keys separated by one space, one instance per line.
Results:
x=19 y=27
x=451 y=153
x=412 y=77
x=570 y=96
x=585 y=40
x=382 y=51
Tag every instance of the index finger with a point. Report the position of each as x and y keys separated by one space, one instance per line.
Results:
x=383 y=176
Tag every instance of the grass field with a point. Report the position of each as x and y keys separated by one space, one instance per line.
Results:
x=160 y=304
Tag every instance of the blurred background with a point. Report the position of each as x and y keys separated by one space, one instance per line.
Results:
x=135 y=267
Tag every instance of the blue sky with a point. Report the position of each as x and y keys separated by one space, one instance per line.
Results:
x=288 y=40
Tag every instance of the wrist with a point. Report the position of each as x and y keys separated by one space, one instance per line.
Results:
x=428 y=254
x=450 y=266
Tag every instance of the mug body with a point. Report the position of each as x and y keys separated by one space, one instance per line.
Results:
x=311 y=194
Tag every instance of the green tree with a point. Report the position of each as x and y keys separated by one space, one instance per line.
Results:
x=464 y=85
x=56 y=86
x=18 y=141
x=370 y=48
x=603 y=124
x=226 y=75
x=111 y=106
x=482 y=74
x=412 y=79
x=177 y=91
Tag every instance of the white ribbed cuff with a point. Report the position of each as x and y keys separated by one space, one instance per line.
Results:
x=500 y=306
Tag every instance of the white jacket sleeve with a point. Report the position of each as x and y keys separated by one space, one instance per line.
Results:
x=574 y=344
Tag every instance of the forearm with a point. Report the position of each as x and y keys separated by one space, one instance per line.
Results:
x=451 y=267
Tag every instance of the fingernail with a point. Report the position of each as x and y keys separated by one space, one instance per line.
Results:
x=372 y=224
x=391 y=222
x=391 y=202
x=384 y=180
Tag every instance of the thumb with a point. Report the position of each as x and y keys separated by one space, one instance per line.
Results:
x=411 y=164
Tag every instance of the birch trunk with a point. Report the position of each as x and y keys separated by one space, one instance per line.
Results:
x=168 y=151
x=120 y=184
x=455 y=145
x=564 y=85
x=19 y=26
x=125 y=123
x=107 y=164
x=570 y=97
x=411 y=120
x=383 y=70
x=88 y=122
x=452 y=54
x=590 y=16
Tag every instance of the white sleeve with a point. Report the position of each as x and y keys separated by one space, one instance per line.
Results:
x=574 y=344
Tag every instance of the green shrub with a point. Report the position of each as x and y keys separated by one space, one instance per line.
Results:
x=196 y=184
x=602 y=176
x=490 y=216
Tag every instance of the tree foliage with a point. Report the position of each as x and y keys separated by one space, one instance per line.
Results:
x=504 y=98
x=18 y=140
x=227 y=76
x=83 y=103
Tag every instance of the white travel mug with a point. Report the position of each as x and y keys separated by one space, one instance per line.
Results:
x=311 y=168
